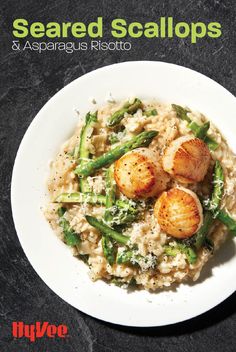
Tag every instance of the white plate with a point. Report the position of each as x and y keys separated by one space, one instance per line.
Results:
x=51 y=259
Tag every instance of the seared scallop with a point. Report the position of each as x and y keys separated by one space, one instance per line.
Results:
x=139 y=174
x=187 y=159
x=179 y=212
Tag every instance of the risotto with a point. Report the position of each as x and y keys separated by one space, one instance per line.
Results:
x=143 y=193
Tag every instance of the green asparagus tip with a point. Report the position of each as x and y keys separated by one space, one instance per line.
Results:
x=61 y=211
x=198 y=131
x=91 y=117
x=129 y=108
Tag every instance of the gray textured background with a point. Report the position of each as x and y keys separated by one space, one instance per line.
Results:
x=27 y=81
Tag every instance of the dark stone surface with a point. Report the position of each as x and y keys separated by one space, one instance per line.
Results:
x=27 y=81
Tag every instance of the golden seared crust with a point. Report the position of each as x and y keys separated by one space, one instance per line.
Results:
x=187 y=159
x=179 y=212
x=138 y=176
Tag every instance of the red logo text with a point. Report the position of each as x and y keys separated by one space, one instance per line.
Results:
x=38 y=330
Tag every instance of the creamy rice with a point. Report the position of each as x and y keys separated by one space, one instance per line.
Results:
x=145 y=232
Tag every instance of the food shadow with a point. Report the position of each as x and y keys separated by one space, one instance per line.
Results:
x=212 y=317
x=221 y=256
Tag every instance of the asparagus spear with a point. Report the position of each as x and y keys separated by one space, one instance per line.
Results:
x=127 y=205
x=130 y=256
x=218 y=189
x=85 y=133
x=212 y=144
x=187 y=250
x=109 y=249
x=117 y=117
x=199 y=131
x=122 y=216
x=202 y=131
x=93 y=198
x=150 y=112
x=108 y=245
x=213 y=205
x=110 y=193
x=61 y=211
x=227 y=220
x=82 y=151
x=106 y=230
x=113 y=138
x=117 y=281
x=120 y=282
x=70 y=236
x=201 y=235
x=116 y=213
x=141 y=140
